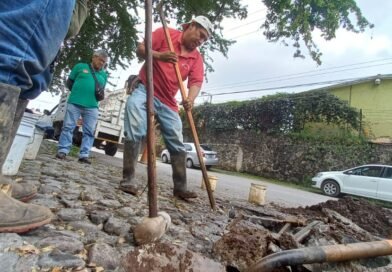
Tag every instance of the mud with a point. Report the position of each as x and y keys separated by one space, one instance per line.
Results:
x=370 y=217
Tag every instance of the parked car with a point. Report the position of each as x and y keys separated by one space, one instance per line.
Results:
x=372 y=180
x=209 y=156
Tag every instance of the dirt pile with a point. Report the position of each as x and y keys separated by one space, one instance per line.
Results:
x=370 y=217
x=260 y=231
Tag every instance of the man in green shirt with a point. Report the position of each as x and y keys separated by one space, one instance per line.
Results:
x=83 y=102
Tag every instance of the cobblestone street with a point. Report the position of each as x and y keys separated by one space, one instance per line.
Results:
x=93 y=222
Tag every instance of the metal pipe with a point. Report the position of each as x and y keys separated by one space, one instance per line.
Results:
x=152 y=183
x=331 y=253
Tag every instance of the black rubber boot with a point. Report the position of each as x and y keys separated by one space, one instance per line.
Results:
x=179 y=176
x=131 y=153
x=22 y=192
x=15 y=216
x=8 y=101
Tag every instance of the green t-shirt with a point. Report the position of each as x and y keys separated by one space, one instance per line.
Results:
x=83 y=89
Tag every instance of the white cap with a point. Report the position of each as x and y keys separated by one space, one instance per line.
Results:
x=203 y=21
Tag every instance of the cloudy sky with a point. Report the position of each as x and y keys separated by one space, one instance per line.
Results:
x=255 y=64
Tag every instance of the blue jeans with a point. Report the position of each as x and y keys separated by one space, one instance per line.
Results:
x=135 y=120
x=31 y=33
x=72 y=114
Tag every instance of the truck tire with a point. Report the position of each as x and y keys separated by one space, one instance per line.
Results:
x=98 y=143
x=110 y=149
x=77 y=137
x=57 y=129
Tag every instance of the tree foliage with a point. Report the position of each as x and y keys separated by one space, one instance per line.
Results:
x=297 y=19
x=112 y=26
x=275 y=114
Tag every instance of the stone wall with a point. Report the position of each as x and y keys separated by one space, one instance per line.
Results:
x=287 y=159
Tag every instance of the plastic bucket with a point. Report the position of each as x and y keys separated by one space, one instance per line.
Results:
x=33 y=147
x=257 y=194
x=15 y=155
x=213 y=181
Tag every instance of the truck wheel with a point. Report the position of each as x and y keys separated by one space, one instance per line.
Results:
x=77 y=137
x=110 y=149
x=57 y=130
x=98 y=143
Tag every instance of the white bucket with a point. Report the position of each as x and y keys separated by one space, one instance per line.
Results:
x=213 y=181
x=15 y=155
x=257 y=194
x=33 y=147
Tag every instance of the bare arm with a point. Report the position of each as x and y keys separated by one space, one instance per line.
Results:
x=167 y=56
x=192 y=94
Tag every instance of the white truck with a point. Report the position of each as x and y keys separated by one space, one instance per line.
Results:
x=109 y=132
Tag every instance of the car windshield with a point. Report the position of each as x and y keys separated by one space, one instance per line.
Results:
x=205 y=147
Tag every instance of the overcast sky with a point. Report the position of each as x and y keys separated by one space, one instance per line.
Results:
x=255 y=64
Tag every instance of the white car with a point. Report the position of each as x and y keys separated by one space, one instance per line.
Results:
x=210 y=157
x=372 y=180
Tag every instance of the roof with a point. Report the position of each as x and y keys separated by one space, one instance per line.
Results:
x=350 y=82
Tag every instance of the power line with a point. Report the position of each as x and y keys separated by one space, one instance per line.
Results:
x=312 y=71
x=284 y=87
x=300 y=75
x=242 y=25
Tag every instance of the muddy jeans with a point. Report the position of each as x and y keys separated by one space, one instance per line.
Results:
x=31 y=35
x=135 y=120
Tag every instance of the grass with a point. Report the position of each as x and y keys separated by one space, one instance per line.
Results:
x=74 y=152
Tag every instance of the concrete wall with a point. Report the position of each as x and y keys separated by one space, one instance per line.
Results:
x=283 y=158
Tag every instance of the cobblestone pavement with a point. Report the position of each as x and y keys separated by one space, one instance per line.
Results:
x=93 y=220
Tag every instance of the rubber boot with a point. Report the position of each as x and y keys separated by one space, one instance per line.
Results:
x=179 y=176
x=8 y=101
x=15 y=216
x=131 y=153
x=22 y=192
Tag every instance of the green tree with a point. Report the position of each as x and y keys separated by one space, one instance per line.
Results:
x=112 y=26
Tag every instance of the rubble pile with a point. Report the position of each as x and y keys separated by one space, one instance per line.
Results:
x=92 y=228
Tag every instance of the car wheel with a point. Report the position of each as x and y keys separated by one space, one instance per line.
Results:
x=165 y=159
x=208 y=167
x=331 y=188
x=189 y=163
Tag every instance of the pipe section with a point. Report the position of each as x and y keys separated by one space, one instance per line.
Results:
x=331 y=253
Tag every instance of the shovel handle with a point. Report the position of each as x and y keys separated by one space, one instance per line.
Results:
x=188 y=112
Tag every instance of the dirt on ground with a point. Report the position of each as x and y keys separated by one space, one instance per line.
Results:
x=369 y=216
x=263 y=230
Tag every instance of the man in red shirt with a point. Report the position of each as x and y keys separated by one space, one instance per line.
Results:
x=190 y=62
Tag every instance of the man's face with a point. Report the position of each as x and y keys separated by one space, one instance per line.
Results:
x=98 y=62
x=194 y=36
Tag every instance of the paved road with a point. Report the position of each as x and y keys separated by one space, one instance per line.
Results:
x=230 y=186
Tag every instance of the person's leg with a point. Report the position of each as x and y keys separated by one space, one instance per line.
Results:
x=8 y=102
x=15 y=216
x=20 y=192
x=171 y=129
x=135 y=128
x=72 y=115
x=90 y=118
x=31 y=35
